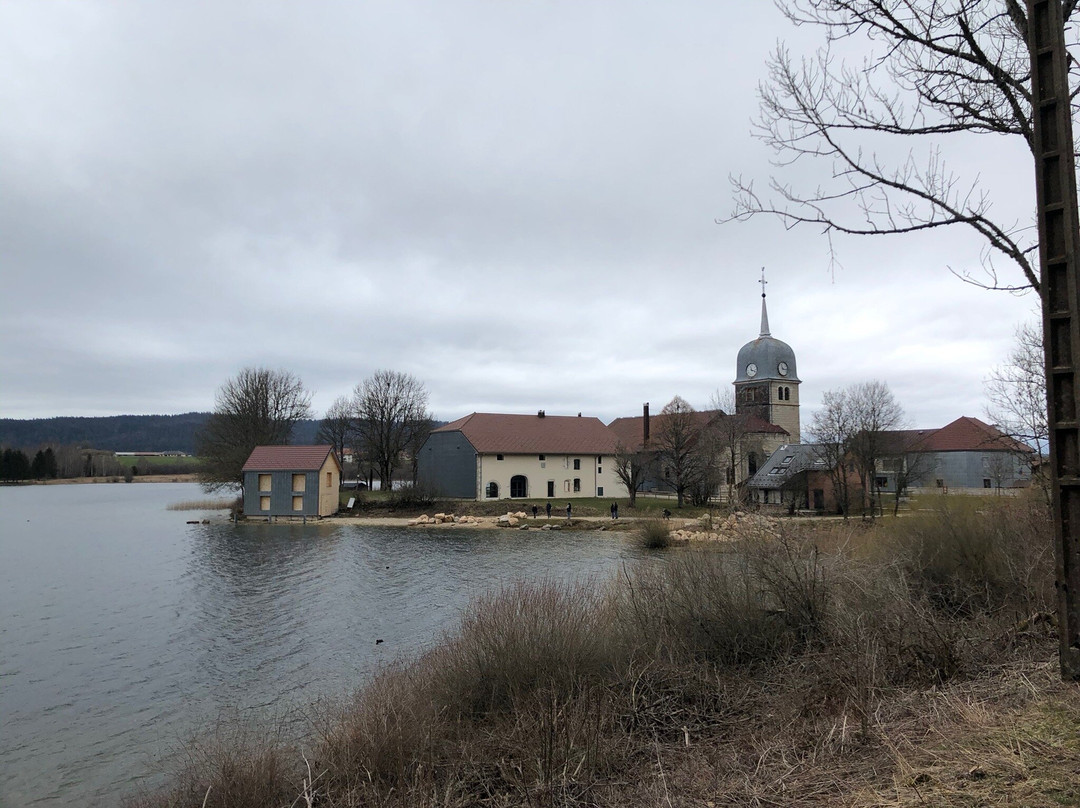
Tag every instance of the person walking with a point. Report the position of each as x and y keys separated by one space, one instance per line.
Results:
x=567 y=511
x=614 y=510
x=534 y=511
x=548 y=509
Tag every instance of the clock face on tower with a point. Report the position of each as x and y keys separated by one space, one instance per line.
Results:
x=783 y=368
x=751 y=370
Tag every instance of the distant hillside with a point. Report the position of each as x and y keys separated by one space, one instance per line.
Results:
x=120 y=433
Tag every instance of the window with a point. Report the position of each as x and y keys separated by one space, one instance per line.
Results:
x=599 y=469
x=264 y=503
x=599 y=461
x=329 y=479
x=939 y=483
x=492 y=491
x=566 y=486
x=541 y=458
x=599 y=490
x=779 y=393
x=777 y=470
x=986 y=482
x=299 y=482
x=298 y=503
x=751 y=463
x=577 y=485
x=551 y=488
x=264 y=483
x=881 y=482
x=577 y=464
x=498 y=457
x=787 y=460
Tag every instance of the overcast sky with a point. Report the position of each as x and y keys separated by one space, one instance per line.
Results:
x=514 y=201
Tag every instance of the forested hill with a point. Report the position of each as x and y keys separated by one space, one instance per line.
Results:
x=119 y=433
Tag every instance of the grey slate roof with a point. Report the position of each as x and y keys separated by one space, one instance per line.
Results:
x=787 y=461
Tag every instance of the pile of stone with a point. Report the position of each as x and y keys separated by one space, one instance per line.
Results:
x=444 y=519
x=738 y=525
x=511 y=519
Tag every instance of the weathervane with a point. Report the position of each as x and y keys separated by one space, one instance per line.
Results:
x=763 y=281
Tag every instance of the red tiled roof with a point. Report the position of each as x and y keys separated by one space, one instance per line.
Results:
x=533 y=434
x=630 y=431
x=287 y=458
x=967 y=434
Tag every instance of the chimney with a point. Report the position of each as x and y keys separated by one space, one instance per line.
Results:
x=645 y=422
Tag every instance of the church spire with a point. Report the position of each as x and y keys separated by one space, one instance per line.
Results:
x=764 y=311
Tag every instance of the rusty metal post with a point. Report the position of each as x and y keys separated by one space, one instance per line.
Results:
x=1059 y=237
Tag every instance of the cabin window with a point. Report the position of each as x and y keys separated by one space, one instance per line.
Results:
x=986 y=482
x=939 y=483
x=299 y=482
x=298 y=503
x=329 y=479
x=264 y=503
x=264 y=483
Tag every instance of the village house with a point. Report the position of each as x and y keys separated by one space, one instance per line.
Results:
x=497 y=456
x=965 y=455
x=295 y=481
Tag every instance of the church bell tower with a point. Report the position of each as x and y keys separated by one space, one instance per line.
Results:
x=766 y=380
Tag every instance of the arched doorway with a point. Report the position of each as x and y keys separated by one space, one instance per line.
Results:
x=492 y=491
x=519 y=486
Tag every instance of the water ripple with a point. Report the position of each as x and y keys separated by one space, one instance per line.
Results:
x=126 y=630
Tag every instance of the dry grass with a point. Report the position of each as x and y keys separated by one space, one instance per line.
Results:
x=772 y=674
x=217 y=504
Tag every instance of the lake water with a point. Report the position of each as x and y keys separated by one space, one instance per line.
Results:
x=123 y=629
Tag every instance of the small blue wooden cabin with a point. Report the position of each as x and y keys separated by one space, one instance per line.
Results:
x=291 y=481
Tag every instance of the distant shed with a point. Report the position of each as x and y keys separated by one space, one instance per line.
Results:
x=291 y=481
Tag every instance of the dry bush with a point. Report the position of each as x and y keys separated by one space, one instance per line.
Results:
x=235 y=765
x=654 y=534
x=525 y=637
x=725 y=608
x=971 y=556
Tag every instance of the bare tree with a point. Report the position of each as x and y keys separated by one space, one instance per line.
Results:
x=258 y=407
x=337 y=428
x=391 y=411
x=680 y=448
x=930 y=69
x=875 y=412
x=911 y=467
x=833 y=427
x=1016 y=391
x=729 y=431
x=632 y=467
